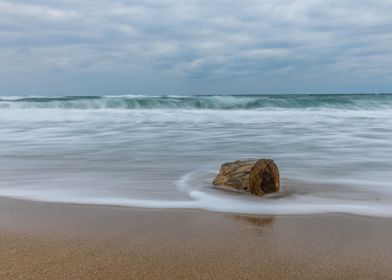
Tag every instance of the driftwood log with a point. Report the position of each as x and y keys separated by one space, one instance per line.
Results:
x=258 y=177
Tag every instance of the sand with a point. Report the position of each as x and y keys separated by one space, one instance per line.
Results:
x=60 y=241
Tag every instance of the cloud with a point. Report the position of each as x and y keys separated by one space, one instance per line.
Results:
x=35 y=12
x=203 y=41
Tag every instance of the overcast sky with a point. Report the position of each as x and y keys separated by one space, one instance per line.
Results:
x=92 y=47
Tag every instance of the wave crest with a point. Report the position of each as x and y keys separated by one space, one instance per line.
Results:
x=213 y=102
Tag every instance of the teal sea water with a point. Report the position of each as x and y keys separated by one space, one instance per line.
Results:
x=334 y=151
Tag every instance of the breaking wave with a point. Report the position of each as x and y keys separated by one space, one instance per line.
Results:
x=215 y=102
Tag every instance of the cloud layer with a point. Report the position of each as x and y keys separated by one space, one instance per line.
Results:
x=249 y=46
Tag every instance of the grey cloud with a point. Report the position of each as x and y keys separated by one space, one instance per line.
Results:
x=201 y=40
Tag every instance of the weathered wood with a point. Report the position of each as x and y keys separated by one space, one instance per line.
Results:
x=258 y=177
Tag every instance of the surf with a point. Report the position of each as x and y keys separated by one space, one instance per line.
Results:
x=211 y=102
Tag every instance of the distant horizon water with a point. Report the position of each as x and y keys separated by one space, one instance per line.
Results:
x=151 y=94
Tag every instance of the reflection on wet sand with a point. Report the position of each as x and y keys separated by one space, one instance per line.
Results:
x=260 y=222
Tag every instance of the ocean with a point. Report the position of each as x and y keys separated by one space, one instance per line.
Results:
x=334 y=152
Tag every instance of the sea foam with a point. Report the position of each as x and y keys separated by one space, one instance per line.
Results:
x=162 y=152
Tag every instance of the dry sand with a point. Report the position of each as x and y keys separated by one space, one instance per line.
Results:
x=54 y=241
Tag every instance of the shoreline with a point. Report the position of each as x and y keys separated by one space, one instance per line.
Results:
x=68 y=241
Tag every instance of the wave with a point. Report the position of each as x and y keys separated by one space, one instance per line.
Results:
x=203 y=198
x=213 y=102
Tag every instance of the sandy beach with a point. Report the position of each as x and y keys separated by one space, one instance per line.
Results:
x=60 y=241
x=176 y=140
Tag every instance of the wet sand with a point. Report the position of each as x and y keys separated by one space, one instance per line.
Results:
x=60 y=241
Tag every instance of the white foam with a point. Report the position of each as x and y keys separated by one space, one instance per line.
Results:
x=131 y=157
x=217 y=201
x=182 y=116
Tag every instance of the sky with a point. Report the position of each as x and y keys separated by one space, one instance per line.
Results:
x=95 y=47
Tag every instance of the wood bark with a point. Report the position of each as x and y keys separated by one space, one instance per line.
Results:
x=258 y=177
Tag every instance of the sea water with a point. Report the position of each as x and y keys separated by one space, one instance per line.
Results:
x=334 y=152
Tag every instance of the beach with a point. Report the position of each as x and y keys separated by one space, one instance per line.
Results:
x=176 y=140
x=69 y=241
x=120 y=187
